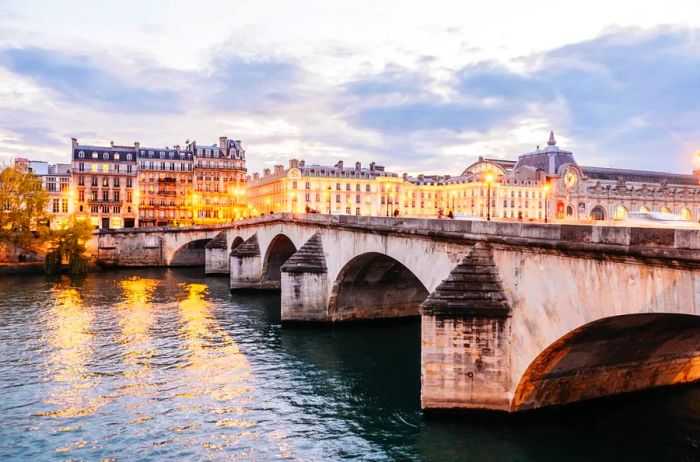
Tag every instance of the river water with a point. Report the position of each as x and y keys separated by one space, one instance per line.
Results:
x=169 y=365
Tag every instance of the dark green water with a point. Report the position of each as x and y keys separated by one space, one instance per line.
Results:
x=169 y=365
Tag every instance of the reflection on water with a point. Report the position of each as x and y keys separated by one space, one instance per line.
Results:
x=68 y=332
x=169 y=365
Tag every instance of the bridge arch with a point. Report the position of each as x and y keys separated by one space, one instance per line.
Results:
x=236 y=242
x=190 y=254
x=278 y=251
x=375 y=285
x=613 y=355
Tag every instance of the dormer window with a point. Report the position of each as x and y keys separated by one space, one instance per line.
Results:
x=116 y=156
x=81 y=154
x=95 y=155
x=128 y=157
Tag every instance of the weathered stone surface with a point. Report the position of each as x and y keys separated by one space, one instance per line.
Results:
x=249 y=248
x=219 y=242
x=308 y=259
x=472 y=288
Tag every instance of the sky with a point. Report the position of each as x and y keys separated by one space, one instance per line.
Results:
x=420 y=87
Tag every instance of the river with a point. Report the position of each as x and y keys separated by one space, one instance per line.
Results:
x=169 y=365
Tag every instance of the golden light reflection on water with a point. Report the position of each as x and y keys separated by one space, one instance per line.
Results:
x=71 y=342
x=136 y=318
x=222 y=372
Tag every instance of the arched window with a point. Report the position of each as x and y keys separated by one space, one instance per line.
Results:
x=666 y=210
x=620 y=213
x=686 y=215
x=644 y=209
x=597 y=213
x=569 y=211
x=81 y=154
x=105 y=155
x=128 y=157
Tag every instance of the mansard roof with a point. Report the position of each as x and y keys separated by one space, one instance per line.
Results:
x=639 y=176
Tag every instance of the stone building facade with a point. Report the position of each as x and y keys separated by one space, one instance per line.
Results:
x=546 y=183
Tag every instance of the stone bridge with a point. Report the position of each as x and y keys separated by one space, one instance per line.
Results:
x=514 y=316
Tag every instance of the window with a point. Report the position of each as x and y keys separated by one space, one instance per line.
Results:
x=94 y=181
x=307 y=185
x=367 y=188
x=105 y=196
x=64 y=205
x=128 y=157
x=116 y=156
x=357 y=199
x=337 y=198
x=337 y=187
x=347 y=186
x=116 y=196
x=128 y=182
x=81 y=195
x=94 y=155
x=55 y=206
x=105 y=182
x=105 y=155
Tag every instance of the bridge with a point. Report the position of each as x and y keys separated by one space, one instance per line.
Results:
x=514 y=316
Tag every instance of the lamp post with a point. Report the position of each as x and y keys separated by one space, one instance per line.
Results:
x=489 y=180
x=329 y=199
x=386 y=195
x=546 y=188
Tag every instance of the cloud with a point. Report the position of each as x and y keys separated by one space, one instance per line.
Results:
x=78 y=79
x=622 y=96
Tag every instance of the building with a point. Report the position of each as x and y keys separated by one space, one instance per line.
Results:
x=104 y=179
x=219 y=181
x=56 y=182
x=166 y=182
x=546 y=183
x=338 y=189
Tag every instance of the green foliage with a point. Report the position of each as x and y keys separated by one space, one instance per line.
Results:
x=68 y=244
x=23 y=204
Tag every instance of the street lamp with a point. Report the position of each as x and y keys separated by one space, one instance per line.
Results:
x=489 y=180
x=386 y=190
x=453 y=201
x=546 y=188
x=329 y=199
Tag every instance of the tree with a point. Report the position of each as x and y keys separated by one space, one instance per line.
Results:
x=68 y=244
x=23 y=204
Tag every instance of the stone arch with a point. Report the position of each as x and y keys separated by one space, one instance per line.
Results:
x=666 y=210
x=278 y=251
x=644 y=209
x=236 y=242
x=190 y=254
x=621 y=213
x=686 y=214
x=598 y=213
x=375 y=285
x=610 y=356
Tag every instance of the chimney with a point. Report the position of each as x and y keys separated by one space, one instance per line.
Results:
x=137 y=145
x=256 y=176
x=74 y=142
x=405 y=176
x=420 y=177
x=371 y=166
x=266 y=172
x=293 y=163
x=358 y=166
x=302 y=163
x=177 y=148
x=222 y=142
x=111 y=143
x=279 y=169
x=339 y=165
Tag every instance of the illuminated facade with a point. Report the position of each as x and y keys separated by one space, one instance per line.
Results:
x=166 y=182
x=104 y=183
x=219 y=181
x=324 y=189
x=546 y=183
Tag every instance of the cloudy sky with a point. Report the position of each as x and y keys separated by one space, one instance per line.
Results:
x=418 y=86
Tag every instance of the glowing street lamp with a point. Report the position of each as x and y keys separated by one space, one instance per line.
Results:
x=546 y=188
x=329 y=199
x=489 y=180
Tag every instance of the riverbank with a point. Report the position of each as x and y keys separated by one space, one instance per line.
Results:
x=27 y=267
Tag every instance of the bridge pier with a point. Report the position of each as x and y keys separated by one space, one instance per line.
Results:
x=246 y=265
x=465 y=338
x=304 y=284
x=216 y=255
